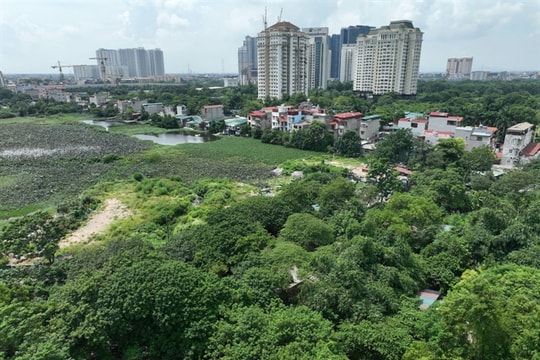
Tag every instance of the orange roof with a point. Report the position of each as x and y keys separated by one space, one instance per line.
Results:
x=348 y=115
x=257 y=113
x=531 y=150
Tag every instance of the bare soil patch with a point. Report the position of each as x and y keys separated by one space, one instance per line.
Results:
x=98 y=222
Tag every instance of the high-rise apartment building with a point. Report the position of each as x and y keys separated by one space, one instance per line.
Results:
x=282 y=51
x=247 y=61
x=348 y=57
x=156 y=62
x=318 y=57
x=335 y=52
x=459 y=68
x=347 y=36
x=388 y=59
x=135 y=62
x=85 y=72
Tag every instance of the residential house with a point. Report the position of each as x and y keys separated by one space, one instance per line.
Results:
x=316 y=114
x=477 y=136
x=232 y=126
x=369 y=127
x=432 y=137
x=516 y=139
x=153 y=108
x=530 y=152
x=343 y=122
x=212 y=112
x=416 y=126
x=260 y=118
x=279 y=115
x=439 y=121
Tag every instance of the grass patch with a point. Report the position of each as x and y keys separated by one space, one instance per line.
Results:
x=245 y=149
x=136 y=129
x=22 y=211
x=46 y=120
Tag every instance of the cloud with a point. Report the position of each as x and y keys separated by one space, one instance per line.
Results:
x=171 y=21
x=35 y=34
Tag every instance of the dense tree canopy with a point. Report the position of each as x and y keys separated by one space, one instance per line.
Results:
x=313 y=266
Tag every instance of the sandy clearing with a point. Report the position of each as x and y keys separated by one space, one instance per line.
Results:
x=359 y=171
x=98 y=222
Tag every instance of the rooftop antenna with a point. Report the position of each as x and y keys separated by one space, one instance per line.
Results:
x=280 y=14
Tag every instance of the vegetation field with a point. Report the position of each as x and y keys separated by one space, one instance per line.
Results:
x=206 y=262
x=44 y=164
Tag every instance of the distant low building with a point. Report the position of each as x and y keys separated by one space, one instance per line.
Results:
x=232 y=126
x=153 y=108
x=212 y=112
x=479 y=75
x=230 y=81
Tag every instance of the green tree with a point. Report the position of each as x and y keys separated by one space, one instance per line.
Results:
x=385 y=178
x=349 y=145
x=493 y=314
x=279 y=333
x=307 y=231
x=395 y=147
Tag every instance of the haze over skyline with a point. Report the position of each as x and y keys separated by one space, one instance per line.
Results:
x=203 y=36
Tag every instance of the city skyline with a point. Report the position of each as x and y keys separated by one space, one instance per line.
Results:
x=203 y=36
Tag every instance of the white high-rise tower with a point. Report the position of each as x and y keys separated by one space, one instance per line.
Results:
x=318 y=57
x=388 y=59
x=282 y=51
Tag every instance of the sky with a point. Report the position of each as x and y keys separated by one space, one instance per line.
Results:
x=203 y=36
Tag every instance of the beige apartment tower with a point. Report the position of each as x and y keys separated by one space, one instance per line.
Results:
x=388 y=60
x=459 y=69
x=282 y=56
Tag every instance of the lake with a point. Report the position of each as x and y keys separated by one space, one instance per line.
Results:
x=176 y=138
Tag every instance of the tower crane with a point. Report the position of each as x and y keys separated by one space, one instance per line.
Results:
x=60 y=67
x=102 y=68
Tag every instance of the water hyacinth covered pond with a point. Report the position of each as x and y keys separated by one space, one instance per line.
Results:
x=44 y=165
x=41 y=162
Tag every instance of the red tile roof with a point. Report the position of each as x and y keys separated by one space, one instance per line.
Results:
x=531 y=150
x=403 y=170
x=348 y=115
x=438 y=114
x=257 y=113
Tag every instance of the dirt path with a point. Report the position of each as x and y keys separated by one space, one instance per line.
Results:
x=359 y=171
x=97 y=223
